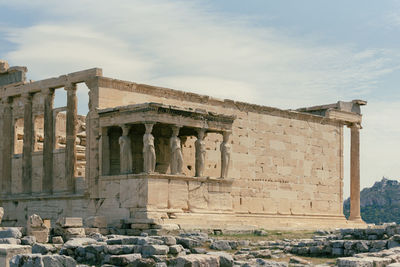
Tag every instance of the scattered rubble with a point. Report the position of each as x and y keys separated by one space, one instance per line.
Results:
x=74 y=241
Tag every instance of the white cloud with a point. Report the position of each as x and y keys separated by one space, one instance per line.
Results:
x=185 y=45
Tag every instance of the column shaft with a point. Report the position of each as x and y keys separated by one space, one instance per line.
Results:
x=70 y=150
x=105 y=152
x=7 y=146
x=48 y=145
x=27 y=146
x=355 y=173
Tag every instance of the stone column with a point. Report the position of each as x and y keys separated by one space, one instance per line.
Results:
x=8 y=129
x=70 y=149
x=355 y=173
x=48 y=145
x=149 y=152
x=176 y=151
x=125 y=156
x=105 y=152
x=225 y=154
x=200 y=153
x=28 y=145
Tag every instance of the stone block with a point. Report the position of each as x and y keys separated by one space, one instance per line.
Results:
x=42 y=236
x=150 y=250
x=38 y=260
x=9 y=251
x=28 y=240
x=57 y=240
x=196 y=260
x=96 y=222
x=123 y=260
x=73 y=232
x=11 y=232
x=70 y=222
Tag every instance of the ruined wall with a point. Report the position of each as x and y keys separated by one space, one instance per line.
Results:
x=281 y=162
x=37 y=154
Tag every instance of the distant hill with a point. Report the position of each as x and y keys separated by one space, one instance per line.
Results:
x=379 y=203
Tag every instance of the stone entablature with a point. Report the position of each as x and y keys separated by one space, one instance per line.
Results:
x=175 y=162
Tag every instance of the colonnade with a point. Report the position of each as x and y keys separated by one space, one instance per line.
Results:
x=149 y=153
x=48 y=146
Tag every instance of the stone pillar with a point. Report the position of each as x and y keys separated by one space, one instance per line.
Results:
x=27 y=146
x=8 y=137
x=200 y=153
x=225 y=154
x=176 y=151
x=355 y=173
x=105 y=152
x=48 y=145
x=125 y=156
x=70 y=149
x=149 y=152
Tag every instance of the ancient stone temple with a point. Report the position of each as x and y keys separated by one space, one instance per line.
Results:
x=146 y=154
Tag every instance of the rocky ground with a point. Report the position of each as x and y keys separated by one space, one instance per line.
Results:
x=68 y=245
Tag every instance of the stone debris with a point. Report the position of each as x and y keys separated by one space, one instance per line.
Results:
x=36 y=227
x=69 y=228
x=371 y=247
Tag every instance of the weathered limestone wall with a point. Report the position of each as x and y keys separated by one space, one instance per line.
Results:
x=282 y=163
x=37 y=153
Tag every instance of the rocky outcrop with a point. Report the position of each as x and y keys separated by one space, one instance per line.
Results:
x=379 y=203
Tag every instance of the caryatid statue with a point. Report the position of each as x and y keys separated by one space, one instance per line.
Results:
x=176 y=151
x=149 y=152
x=125 y=151
x=225 y=154
x=200 y=152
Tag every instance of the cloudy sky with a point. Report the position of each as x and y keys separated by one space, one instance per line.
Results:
x=286 y=54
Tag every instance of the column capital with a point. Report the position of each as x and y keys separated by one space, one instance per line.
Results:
x=70 y=87
x=125 y=129
x=27 y=97
x=47 y=91
x=355 y=126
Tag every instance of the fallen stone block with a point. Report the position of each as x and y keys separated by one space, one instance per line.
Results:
x=169 y=240
x=220 y=245
x=38 y=260
x=9 y=251
x=150 y=250
x=187 y=242
x=175 y=249
x=28 y=240
x=10 y=240
x=121 y=249
x=195 y=260
x=73 y=233
x=42 y=236
x=66 y=222
x=96 y=222
x=124 y=259
x=363 y=262
x=78 y=242
x=37 y=228
x=11 y=232
x=57 y=240
x=225 y=259
x=44 y=248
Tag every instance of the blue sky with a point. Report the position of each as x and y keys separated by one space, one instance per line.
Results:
x=286 y=54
